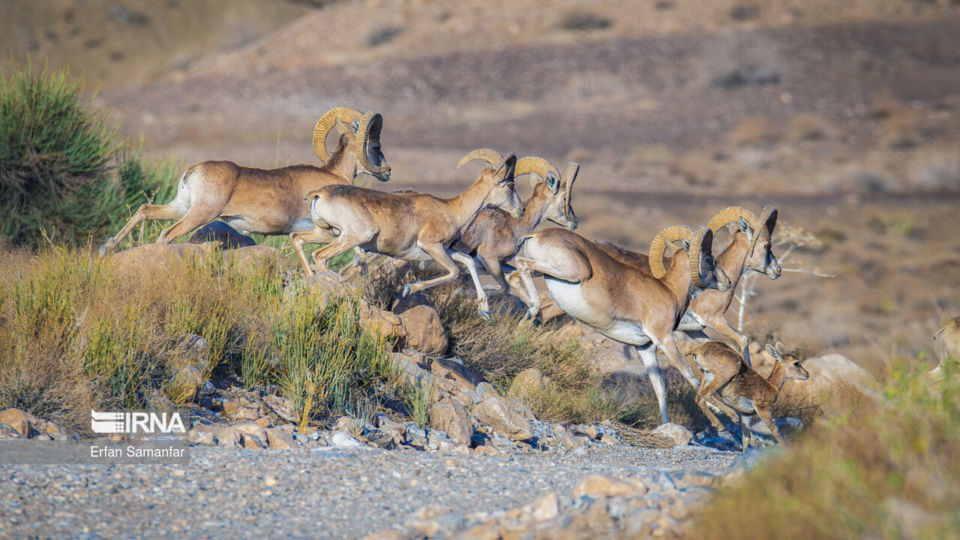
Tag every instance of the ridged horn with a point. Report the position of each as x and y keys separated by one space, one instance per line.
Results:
x=326 y=123
x=659 y=245
x=701 y=241
x=369 y=131
x=486 y=154
x=730 y=215
x=539 y=167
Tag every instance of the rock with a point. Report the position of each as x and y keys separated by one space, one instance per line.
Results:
x=280 y=439
x=415 y=435
x=520 y=407
x=228 y=436
x=451 y=369
x=282 y=407
x=341 y=439
x=270 y=481
x=493 y=412
x=18 y=420
x=546 y=507
x=186 y=385
x=567 y=441
x=411 y=369
x=202 y=434
x=486 y=451
x=225 y=236
x=7 y=432
x=451 y=416
x=252 y=428
x=157 y=257
x=485 y=389
x=527 y=384
x=230 y=407
x=245 y=256
x=676 y=434
x=598 y=485
x=380 y=439
x=193 y=350
x=375 y=320
x=263 y=422
x=252 y=441
x=423 y=330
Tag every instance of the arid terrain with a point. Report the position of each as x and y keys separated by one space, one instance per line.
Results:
x=845 y=118
x=843 y=115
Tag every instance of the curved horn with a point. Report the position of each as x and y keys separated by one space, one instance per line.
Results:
x=326 y=123
x=729 y=215
x=569 y=178
x=540 y=167
x=659 y=245
x=486 y=154
x=369 y=130
x=766 y=222
x=701 y=241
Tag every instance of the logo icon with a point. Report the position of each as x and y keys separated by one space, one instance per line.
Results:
x=135 y=422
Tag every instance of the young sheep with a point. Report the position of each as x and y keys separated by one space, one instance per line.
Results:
x=737 y=390
x=948 y=337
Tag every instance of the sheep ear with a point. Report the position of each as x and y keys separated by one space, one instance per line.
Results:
x=553 y=183
x=686 y=245
x=780 y=348
x=744 y=225
x=343 y=128
x=773 y=352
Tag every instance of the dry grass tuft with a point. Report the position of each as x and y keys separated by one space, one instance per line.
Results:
x=878 y=472
x=77 y=334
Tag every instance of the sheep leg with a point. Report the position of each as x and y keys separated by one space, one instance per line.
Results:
x=708 y=386
x=470 y=265
x=146 y=212
x=442 y=255
x=316 y=236
x=197 y=216
x=648 y=355
x=493 y=268
x=722 y=325
x=765 y=414
x=669 y=346
x=524 y=268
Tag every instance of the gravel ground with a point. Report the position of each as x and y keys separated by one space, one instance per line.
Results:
x=327 y=493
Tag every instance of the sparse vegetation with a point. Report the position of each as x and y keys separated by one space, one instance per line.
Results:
x=889 y=472
x=75 y=334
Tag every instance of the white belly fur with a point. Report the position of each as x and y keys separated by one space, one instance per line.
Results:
x=571 y=299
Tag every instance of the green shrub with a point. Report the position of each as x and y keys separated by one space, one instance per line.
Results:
x=63 y=171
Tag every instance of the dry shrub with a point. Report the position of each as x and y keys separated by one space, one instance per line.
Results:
x=76 y=334
x=752 y=131
x=890 y=471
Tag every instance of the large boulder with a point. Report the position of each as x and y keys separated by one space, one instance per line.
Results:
x=19 y=421
x=451 y=416
x=422 y=327
x=494 y=412
x=528 y=384
x=225 y=236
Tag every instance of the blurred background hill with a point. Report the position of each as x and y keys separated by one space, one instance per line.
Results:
x=846 y=115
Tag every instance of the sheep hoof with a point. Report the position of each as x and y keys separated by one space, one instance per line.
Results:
x=405 y=291
x=104 y=249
